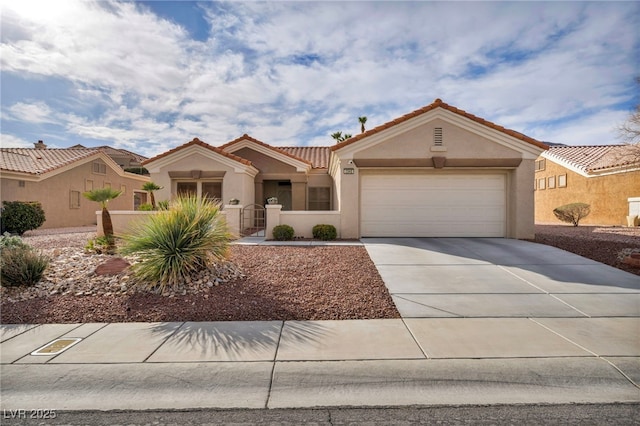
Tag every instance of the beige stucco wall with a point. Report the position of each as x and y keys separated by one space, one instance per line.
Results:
x=606 y=194
x=417 y=142
x=54 y=194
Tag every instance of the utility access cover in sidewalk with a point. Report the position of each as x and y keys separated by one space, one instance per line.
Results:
x=57 y=346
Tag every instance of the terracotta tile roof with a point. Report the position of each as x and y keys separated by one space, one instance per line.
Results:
x=38 y=161
x=115 y=151
x=273 y=148
x=197 y=141
x=595 y=157
x=318 y=156
x=439 y=104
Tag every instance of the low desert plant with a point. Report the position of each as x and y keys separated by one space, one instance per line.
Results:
x=9 y=241
x=145 y=207
x=163 y=205
x=21 y=216
x=173 y=244
x=283 y=233
x=21 y=265
x=324 y=232
x=572 y=213
x=101 y=245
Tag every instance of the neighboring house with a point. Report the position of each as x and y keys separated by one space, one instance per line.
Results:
x=435 y=172
x=125 y=159
x=58 y=177
x=603 y=176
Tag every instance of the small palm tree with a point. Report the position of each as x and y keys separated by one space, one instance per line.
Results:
x=362 y=120
x=337 y=136
x=150 y=187
x=103 y=196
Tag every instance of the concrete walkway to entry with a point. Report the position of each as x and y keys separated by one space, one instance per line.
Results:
x=484 y=321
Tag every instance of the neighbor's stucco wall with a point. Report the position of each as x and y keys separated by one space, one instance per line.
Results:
x=54 y=194
x=606 y=194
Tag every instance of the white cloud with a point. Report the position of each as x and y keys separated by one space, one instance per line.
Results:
x=10 y=141
x=36 y=112
x=294 y=72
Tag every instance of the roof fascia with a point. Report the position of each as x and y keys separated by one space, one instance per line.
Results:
x=565 y=164
x=238 y=167
x=528 y=150
x=300 y=165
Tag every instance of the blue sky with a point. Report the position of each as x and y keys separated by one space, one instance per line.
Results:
x=149 y=76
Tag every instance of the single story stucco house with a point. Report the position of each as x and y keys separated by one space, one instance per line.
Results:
x=58 y=177
x=435 y=172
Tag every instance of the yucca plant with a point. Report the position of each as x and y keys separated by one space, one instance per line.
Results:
x=173 y=244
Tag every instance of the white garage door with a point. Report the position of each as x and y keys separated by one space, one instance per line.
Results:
x=447 y=205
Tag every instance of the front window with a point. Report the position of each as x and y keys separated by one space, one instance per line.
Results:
x=187 y=188
x=212 y=190
x=320 y=198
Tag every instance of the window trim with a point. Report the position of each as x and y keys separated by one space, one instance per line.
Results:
x=551 y=182
x=562 y=181
x=101 y=166
x=74 y=196
x=542 y=183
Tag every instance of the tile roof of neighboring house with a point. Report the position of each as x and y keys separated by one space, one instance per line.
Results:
x=276 y=149
x=318 y=156
x=197 y=141
x=596 y=157
x=39 y=161
x=439 y=104
x=114 y=151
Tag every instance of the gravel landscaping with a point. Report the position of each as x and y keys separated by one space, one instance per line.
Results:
x=269 y=283
x=260 y=282
x=605 y=244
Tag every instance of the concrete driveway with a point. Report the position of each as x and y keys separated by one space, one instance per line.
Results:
x=491 y=297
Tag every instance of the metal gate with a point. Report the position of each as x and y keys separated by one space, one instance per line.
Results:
x=253 y=221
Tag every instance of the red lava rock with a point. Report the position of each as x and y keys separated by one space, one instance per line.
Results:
x=635 y=255
x=632 y=260
x=112 y=266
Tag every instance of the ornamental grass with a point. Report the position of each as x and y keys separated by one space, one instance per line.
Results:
x=173 y=244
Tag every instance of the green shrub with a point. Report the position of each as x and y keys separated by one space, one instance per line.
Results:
x=324 y=232
x=173 y=244
x=283 y=233
x=145 y=207
x=572 y=213
x=9 y=241
x=21 y=216
x=163 y=205
x=21 y=265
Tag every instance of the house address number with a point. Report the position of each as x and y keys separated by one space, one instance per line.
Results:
x=348 y=171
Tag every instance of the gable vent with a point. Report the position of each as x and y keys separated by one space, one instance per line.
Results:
x=437 y=136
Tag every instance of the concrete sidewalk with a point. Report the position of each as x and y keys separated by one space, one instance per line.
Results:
x=322 y=363
x=484 y=321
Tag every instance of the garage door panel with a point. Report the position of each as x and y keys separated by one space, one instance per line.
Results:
x=437 y=206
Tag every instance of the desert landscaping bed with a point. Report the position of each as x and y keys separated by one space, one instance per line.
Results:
x=277 y=282
x=601 y=243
